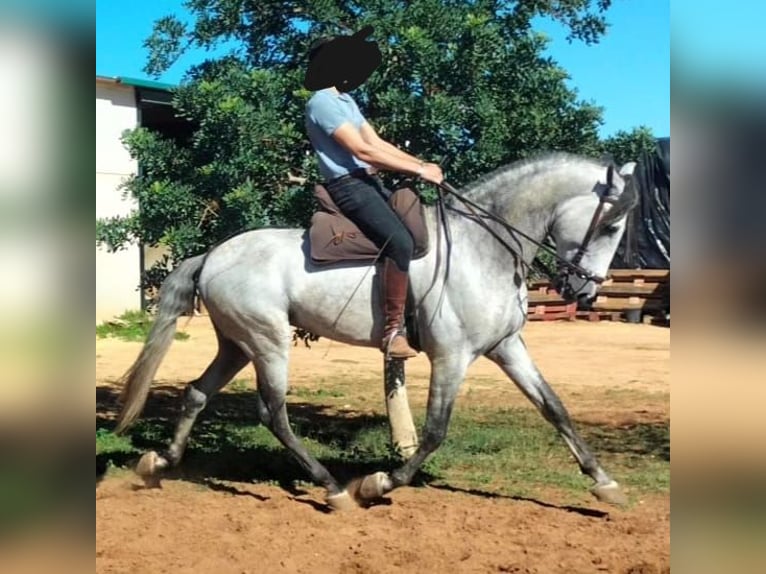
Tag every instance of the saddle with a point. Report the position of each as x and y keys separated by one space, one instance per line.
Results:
x=334 y=238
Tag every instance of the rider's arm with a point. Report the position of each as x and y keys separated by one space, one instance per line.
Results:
x=351 y=139
x=371 y=137
x=338 y=123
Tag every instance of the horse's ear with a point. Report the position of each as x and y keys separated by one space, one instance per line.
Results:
x=628 y=169
x=626 y=201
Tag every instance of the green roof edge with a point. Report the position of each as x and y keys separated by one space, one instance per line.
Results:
x=150 y=84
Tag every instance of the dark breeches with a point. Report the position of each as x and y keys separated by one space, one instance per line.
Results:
x=364 y=201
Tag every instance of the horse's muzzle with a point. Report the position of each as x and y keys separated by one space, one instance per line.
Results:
x=576 y=288
x=585 y=301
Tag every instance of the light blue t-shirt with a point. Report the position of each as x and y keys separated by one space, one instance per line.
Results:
x=326 y=111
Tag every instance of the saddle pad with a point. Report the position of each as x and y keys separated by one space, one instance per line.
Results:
x=335 y=238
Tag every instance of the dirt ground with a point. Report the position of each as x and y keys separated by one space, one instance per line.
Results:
x=605 y=372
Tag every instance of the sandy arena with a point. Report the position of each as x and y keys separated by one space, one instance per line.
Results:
x=605 y=372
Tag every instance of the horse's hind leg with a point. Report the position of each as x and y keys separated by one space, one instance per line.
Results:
x=512 y=357
x=228 y=362
x=270 y=357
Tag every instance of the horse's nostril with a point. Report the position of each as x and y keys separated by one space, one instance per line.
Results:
x=585 y=301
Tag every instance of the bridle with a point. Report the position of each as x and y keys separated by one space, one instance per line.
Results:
x=560 y=279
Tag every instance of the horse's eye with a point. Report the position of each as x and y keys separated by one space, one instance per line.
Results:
x=611 y=229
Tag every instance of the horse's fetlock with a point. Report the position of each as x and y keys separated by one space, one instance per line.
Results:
x=194 y=399
x=173 y=455
x=264 y=416
x=399 y=477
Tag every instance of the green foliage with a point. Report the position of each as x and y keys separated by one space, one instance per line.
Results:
x=108 y=442
x=546 y=261
x=467 y=84
x=628 y=146
x=131 y=326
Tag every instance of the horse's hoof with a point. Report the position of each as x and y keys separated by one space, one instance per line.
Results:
x=147 y=468
x=341 y=501
x=610 y=493
x=370 y=487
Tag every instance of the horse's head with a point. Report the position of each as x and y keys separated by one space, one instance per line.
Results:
x=587 y=230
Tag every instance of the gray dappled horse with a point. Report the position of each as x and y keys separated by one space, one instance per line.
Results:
x=259 y=283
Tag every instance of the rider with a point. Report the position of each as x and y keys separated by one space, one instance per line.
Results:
x=349 y=151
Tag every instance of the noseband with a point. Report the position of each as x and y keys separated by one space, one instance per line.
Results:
x=562 y=279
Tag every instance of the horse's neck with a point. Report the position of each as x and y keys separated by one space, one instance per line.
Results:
x=522 y=210
x=488 y=246
x=526 y=204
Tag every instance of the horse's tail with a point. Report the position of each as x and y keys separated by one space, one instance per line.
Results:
x=176 y=297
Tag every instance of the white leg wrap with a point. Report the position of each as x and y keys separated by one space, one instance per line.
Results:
x=341 y=501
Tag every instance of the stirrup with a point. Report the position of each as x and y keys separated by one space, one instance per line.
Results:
x=407 y=353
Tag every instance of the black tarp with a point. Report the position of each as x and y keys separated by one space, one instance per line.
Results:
x=646 y=242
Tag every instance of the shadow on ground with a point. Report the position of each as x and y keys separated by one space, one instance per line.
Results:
x=228 y=444
x=581 y=510
x=638 y=439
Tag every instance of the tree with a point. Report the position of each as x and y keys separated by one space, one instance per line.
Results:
x=628 y=146
x=463 y=83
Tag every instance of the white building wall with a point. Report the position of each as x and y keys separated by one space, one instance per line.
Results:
x=117 y=274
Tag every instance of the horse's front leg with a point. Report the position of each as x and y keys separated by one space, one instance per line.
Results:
x=447 y=373
x=512 y=356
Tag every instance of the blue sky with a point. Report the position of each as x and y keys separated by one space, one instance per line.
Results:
x=627 y=73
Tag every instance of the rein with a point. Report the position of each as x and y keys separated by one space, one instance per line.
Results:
x=572 y=266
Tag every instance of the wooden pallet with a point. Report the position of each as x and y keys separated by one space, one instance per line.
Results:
x=629 y=280
x=647 y=290
x=545 y=306
x=541 y=298
x=626 y=289
x=605 y=303
x=641 y=275
x=552 y=312
x=539 y=286
x=595 y=316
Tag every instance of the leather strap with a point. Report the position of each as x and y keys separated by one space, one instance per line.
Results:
x=357 y=173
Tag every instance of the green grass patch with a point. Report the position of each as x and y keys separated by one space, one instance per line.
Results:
x=107 y=442
x=241 y=386
x=320 y=393
x=132 y=326
x=511 y=451
x=113 y=452
x=515 y=450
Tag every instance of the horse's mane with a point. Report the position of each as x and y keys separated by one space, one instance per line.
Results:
x=519 y=170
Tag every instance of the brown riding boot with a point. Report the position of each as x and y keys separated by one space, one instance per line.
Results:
x=394 y=343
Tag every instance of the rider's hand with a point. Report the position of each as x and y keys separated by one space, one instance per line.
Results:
x=431 y=172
